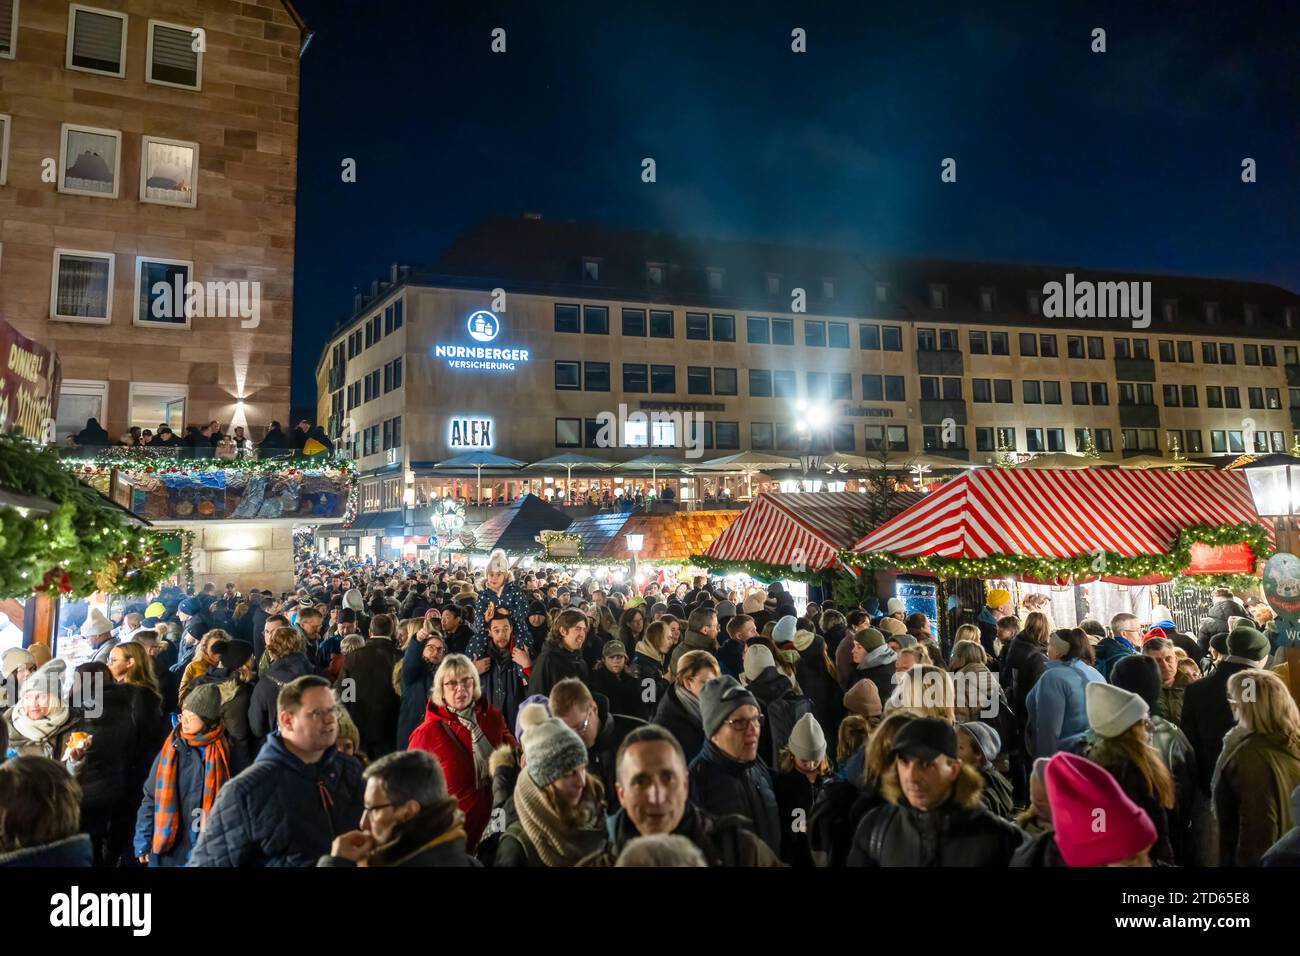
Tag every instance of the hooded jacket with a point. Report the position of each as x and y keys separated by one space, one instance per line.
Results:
x=1110 y=650
x=693 y=641
x=724 y=841
x=262 y=715
x=722 y=786
x=1026 y=661
x=1056 y=705
x=281 y=811
x=879 y=668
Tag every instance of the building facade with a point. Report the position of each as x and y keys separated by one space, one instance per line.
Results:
x=148 y=169
x=527 y=332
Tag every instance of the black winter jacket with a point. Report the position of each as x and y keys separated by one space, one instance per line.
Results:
x=1207 y=716
x=281 y=811
x=417 y=682
x=724 y=786
x=1025 y=662
x=674 y=717
x=821 y=686
x=371 y=701
x=724 y=841
x=553 y=665
x=601 y=754
x=262 y=715
x=950 y=835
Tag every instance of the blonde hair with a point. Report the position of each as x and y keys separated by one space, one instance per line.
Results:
x=785 y=761
x=351 y=643
x=692 y=662
x=926 y=691
x=407 y=629
x=203 y=651
x=141 y=672
x=967 y=652
x=454 y=665
x=967 y=632
x=853 y=733
x=283 y=642
x=1039 y=628
x=1263 y=705
x=347 y=727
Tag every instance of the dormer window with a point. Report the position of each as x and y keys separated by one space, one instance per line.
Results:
x=591 y=270
x=882 y=292
x=987 y=300
x=1249 y=313
x=715 y=280
x=1211 y=313
x=828 y=288
x=773 y=284
x=1288 y=316
x=1035 y=302
x=654 y=274
x=938 y=297
x=1170 y=309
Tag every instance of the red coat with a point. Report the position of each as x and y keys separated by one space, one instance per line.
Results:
x=456 y=758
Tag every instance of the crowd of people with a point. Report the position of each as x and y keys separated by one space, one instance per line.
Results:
x=414 y=715
x=210 y=440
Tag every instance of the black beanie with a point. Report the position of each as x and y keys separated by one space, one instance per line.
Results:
x=1138 y=674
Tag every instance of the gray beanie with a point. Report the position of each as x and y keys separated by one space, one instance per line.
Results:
x=48 y=677
x=552 y=750
x=807 y=739
x=1112 y=710
x=718 y=698
x=986 y=739
x=204 y=701
x=724 y=609
x=784 y=630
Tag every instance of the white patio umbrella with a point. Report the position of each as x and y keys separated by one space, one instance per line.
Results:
x=655 y=463
x=749 y=463
x=480 y=460
x=569 y=461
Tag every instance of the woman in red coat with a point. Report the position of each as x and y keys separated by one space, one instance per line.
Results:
x=462 y=729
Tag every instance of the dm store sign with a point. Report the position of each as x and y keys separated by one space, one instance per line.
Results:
x=483 y=327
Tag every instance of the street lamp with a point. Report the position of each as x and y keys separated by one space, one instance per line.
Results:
x=813 y=434
x=634 y=545
x=1274 y=482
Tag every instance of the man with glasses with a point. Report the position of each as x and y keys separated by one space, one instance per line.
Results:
x=588 y=716
x=727 y=776
x=1125 y=638
x=286 y=808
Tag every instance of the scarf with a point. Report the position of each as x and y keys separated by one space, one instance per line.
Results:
x=215 y=751
x=646 y=649
x=691 y=703
x=432 y=826
x=482 y=747
x=556 y=843
x=884 y=654
x=40 y=730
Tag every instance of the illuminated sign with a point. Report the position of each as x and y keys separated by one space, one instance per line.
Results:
x=482 y=326
x=470 y=433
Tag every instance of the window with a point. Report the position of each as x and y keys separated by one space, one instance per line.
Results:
x=1218 y=441
x=388 y=434
x=837 y=335
x=1185 y=352
x=1290 y=355
x=1209 y=353
x=760 y=383
x=566 y=318
x=1273 y=398
x=727 y=434
x=1034 y=439
x=5 y=122
x=1268 y=354
x=981 y=390
x=877 y=435
x=96 y=41
x=1236 y=445
x=397 y=373
x=1028 y=343
x=595 y=319
x=1032 y=394
x=150 y=404
x=8 y=34
x=724 y=328
x=938 y=297
x=634 y=435
x=591 y=270
x=932 y=438
x=892 y=338
x=757 y=330
x=1232 y=396
x=654 y=274
x=984 y=439
x=1250 y=354
x=895 y=388
x=694 y=438
x=634 y=322
x=1122 y=349
x=160 y=298
x=785 y=383
x=597 y=376
x=1079 y=393
x=1227 y=353
x=81 y=287
x=91 y=160
x=699 y=380
x=1261 y=441
x=1142 y=349
x=663 y=379
x=715 y=280
x=979 y=343
x=1166 y=348
x=1047 y=346
x=760 y=436
x=1100 y=393
x=1096 y=347
x=171 y=59
x=873 y=389
x=1056 y=439
x=814 y=333
x=998 y=343
x=842 y=386
x=773 y=284
x=897 y=435
x=927 y=340
x=783 y=331
x=1101 y=438
x=1189 y=396
x=869 y=337
x=697 y=325
x=79 y=399
x=375 y=330
x=568 y=375
x=1193 y=438
x=636 y=378
x=663 y=434
x=1256 y=397
x=1002 y=391
x=568 y=433
x=1279 y=441
x=1074 y=346
x=1213 y=396
x=1171 y=396
x=842 y=437
x=1051 y=393
x=929 y=388
x=948 y=340
x=724 y=381
x=661 y=325
x=818 y=386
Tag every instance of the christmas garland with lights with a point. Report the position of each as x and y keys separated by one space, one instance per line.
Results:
x=1172 y=564
x=761 y=571
x=133 y=461
x=80 y=547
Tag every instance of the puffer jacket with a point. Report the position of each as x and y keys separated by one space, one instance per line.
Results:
x=770 y=686
x=1057 y=707
x=724 y=841
x=262 y=716
x=645 y=666
x=513 y=599
x=796 y=794
x=1039 y=850
x=724 y=786
x=1216 y=622
x=281 y=811
x=1024 y=664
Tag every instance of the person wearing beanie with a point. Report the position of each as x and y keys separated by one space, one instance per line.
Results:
x=195 y=763
x=99 y=631
x=776 y=697
x=931 y=791
x=1056 y=705
x=979 y=745
x=815 y=673
x=873 y=660
x=891 y=627
x=560 y=807
x=803 y=775
x=1077 y=789
x=901 y=642
x=1040 y=849
x=455 y=629
x=784 y=630
x=895 y=608
x=233 y=678
x=539 y=625
x=499 y=592
x=41 y=723
x=614 y=680
x=863 y=700
x=727 y=776
x=16 y=665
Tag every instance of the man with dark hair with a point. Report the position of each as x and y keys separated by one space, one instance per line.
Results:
x=366 y=688
x=857 y=620
x=285 y=809
x=40 y=814
x=457 y=632
x=701 y=635
x=653 y=792
x=731 y=653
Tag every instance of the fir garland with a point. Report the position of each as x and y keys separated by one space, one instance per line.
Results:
x=1172 y=564
x=760 y=571
x=80 y=547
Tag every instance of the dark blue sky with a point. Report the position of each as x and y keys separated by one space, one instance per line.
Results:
x=1128 y=159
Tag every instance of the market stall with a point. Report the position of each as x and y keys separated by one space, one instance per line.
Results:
x=665 y=538
x=514 y=529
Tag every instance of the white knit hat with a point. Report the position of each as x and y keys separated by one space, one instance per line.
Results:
x=783 y=631
x=353 y=601
x=757 y=659
x=96 y=624
x=497 y=562
x=1112 y=710
x=807 y=740
x=894 y=606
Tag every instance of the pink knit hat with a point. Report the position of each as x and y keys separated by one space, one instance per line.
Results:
x=1096 y=823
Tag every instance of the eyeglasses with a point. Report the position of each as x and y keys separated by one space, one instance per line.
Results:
x=742 y=724
x=465 y=682
x=582 y=727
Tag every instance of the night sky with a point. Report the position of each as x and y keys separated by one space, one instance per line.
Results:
x=1129 y=159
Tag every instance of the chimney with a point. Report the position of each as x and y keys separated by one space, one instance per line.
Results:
x=374 y=289
x=358 y=301
x=392 y=274
x=404 y=272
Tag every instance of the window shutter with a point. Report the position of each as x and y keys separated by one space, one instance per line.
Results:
x=6 y=27
x=174 y=59
x=97 y=41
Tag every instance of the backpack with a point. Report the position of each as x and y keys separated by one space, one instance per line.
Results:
x=830 y=825
x=782 y=714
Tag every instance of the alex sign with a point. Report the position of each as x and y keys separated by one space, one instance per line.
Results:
x=483 y=326
x=470 y=433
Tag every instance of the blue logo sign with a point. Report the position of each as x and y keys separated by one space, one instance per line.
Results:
x=483 y=326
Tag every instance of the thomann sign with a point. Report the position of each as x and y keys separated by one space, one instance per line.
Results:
x=483 y=326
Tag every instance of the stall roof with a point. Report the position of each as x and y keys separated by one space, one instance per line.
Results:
x=516 y=528
x=808 y=528
x=668 y=537
x=1062 y=514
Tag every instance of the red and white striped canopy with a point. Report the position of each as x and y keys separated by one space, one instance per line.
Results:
x=1063 y=514
x=797 y=528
